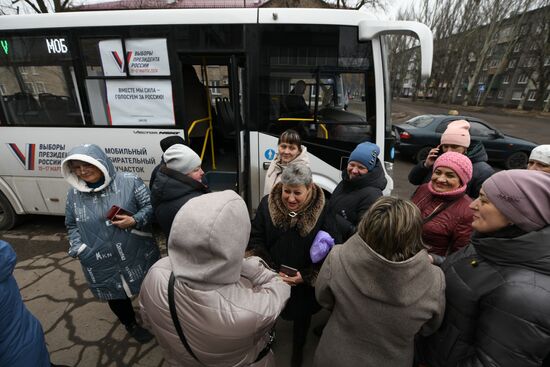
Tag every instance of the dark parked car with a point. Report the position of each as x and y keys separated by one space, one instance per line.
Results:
x=415 y=138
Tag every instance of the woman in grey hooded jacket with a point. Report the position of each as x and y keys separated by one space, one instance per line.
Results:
x=115 y=254
x=226 y=304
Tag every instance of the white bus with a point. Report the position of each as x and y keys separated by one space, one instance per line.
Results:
x=220 y=78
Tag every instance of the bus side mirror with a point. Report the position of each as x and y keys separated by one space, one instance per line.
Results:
x=370 y=29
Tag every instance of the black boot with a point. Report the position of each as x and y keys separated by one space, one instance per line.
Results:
x=299 y=335
x=139 y=333
x=297 y=356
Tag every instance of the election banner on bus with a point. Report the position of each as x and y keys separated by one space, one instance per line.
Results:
x=145 y=56
x=140 y=102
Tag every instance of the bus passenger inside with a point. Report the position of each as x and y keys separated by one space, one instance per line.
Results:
x=294 y=104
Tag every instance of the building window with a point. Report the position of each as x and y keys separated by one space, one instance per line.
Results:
x=547 y=61
x=531 y=96
x=523 y=78
x=29 y=88
x=40 y=87
x=547 y=97
x=500 y=94
x=512 y=63
x=506 y=79
x=517 y=47
x=516 y=96
x=2 y=89
x=214 y=84
x=531 y=62
x=534 y=47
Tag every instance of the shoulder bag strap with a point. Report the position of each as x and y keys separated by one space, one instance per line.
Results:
x=438 y=210
x=175 y=319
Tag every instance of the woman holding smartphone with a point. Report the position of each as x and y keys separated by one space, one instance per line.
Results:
x=286 y=222
x=115 y=253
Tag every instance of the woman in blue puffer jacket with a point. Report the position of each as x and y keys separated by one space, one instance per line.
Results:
x=21 y=336
x=115 y=254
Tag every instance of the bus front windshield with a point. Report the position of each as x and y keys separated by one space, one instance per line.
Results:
x=317 y=83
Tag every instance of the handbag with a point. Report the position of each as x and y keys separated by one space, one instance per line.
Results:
x=175 y=319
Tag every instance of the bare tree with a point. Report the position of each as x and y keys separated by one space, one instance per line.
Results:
x=358 y=4
x=36 y=6
x=536 y=59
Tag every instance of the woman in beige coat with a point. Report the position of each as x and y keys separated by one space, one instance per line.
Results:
x=382 y=290
x=226 y=305
x=290 y=149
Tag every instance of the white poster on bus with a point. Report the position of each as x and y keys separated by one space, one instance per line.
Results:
x=145 y=56
x=140 y=102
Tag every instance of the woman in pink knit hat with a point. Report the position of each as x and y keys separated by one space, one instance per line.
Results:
x=456 y=138
x=444 y=206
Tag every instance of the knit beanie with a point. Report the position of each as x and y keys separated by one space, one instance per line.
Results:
x=169 y=141
x=457 y=133
x=365 y=153
x=522 y=196
x=541 y=154
x=459 y=163
x=181 y=158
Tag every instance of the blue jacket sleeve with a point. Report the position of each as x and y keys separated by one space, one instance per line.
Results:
x=75 y=240
x=145 y=210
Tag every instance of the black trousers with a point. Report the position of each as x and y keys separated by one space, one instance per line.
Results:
x=123 y=309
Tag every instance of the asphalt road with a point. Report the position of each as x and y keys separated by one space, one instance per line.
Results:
x=82 y=332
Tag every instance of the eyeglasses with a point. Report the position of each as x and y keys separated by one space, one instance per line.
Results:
x=81 y=167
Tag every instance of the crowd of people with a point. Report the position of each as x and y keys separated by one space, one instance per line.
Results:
x=459 y=275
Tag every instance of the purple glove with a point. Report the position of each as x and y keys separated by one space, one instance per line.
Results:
x=321 y=246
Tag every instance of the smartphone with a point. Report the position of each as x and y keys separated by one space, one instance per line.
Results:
x=288 y=270
x=116 y=210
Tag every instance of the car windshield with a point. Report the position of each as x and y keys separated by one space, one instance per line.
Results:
x=421 y=121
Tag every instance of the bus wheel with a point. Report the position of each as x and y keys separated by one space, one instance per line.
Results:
x=8 y=218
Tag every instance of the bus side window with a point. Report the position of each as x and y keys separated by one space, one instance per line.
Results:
x=37 y=83
x=128 y=81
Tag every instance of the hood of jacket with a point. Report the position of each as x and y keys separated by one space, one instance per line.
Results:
x=529 y=251
x=385 y=276
x=208 y=239
x=374 y=178
x=92 y=154
x=477 y=153
x=7 y=260
x=170 y=185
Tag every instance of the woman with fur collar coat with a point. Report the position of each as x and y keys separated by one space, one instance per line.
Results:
x=286 y=222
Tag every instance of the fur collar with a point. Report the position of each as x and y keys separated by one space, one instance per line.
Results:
x=306 y=219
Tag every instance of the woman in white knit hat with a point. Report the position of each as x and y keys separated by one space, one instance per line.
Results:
x=178 y=180
x=540 y=159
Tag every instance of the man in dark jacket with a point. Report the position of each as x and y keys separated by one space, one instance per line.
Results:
x=456 y=138
x=363 y=181
x=178 y=180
